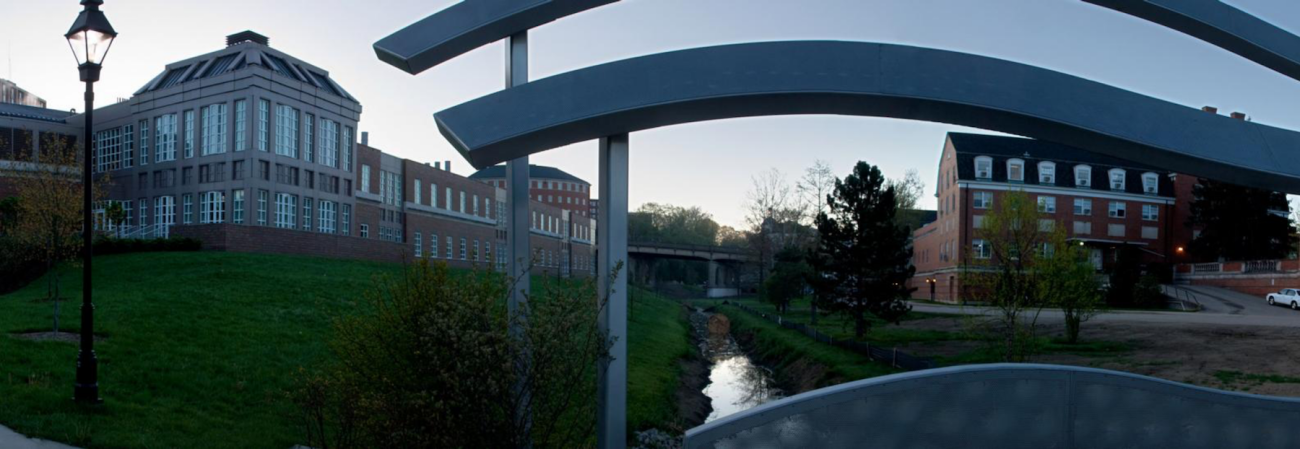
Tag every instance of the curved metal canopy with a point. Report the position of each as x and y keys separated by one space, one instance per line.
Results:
x=867 y=79
x=1222 y=25
x=468 y=25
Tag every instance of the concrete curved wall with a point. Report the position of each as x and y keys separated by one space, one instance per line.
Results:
x=867 y=79
x=1222 y=25
x=1010 y=406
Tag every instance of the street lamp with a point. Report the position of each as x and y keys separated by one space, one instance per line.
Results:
x=90 y=38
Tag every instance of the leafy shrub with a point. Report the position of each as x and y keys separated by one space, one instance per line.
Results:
x=1147 y=293
x=429 y=363
x=111 y=245
x=19 y=265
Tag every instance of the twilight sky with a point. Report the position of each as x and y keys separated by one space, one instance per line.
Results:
x=703 y=164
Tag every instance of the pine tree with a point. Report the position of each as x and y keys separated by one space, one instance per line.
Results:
x=1239 y=223
x=863 y=259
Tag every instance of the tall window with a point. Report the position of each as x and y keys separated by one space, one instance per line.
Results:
x=1150 y=212
x=212 y=207
x=1150 y=183
x=1016 y=170
x=263 y=124
x=286 y=131
x=307 y=151
x=462 y=248
x=983 y=167
x=1117 y=179
x=433 y=245
x=345 y=219
x=241 y=125
x=474 y=255
x=462 y=201
x=286 y=208
x=306 y=213
x=1047 y=204
x=189 y=133
x=188 y=208
x=417 y=191
x=144 y=142
x=347 y=148
x=128 y=146
x=981 y=249
x=214 y=129
x=1046 y=173
x=329 y=143
x=237 y=207
x=165 y=138
x=982 y=200
x=164 y=210
x=1082 y=206
x=1116 y=209
x=326 y=218
x=262 y=199
x=1082 y=176
x=365 y=178
x=419 y=245
x=446 y=204
x=449 y=247
x=108 y=150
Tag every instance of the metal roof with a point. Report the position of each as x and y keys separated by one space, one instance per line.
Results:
x=534 y=172
x=34 y=113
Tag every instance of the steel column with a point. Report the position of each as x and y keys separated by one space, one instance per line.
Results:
x=518 y=225
x=611 y=417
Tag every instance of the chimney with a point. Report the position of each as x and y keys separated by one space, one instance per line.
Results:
x=1239 y=116
x=437 y=165
x=446 y=165
x=1210 y=109
x=246 y=36
x=365 y=138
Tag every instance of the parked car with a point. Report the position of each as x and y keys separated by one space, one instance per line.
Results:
x=1289 y=297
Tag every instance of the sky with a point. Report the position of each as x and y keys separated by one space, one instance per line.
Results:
x=707 y=164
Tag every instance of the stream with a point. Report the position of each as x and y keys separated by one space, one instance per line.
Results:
x=736 y=383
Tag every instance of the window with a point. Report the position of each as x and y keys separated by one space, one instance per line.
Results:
x=286 y=209
x=474 y=255
x=1046 y=225
x=264 y=170
x=1082 y=227
x=212 y=207
x=237 y=208
x=187 y=211
x=1116 y=209
x=1115 y=230
x=1047 y=204
x=144 y=142
x=165 y=138
x=108 y=150
x=981 y=249
x=433 y=245
x=983 y=200
x=126 y=207
x=1016 y=170
x=238 y=170
x=286 y=131
x=1116 y=179
x=214 y=129
x=1082 y=176
x=189 y=134
x=1047 y=173
x=1150 y=232
x=329 y=143
x=1082 y=206
x=487 y=250
x=262 y=197
x=1150 y=212
x=365 y=178
x=307 y=151
x=462 y=248
x=326 y=222
x=365 y=231
x=1150 y=183
x=263 y=124
x=164 y=210
x=345 y=220
x=417 y=191
x=419 y=245
x=474 y=206
x=347 y=148
x=449 y=247
x=306 y=213
x=462 y=201
x=983 y=167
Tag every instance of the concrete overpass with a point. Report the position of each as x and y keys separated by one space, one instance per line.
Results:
x=724 y=262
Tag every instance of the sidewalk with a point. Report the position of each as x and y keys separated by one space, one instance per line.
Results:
x=13 y=440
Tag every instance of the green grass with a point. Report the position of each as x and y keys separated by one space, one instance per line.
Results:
x=1230 y=378
x=781 y=347
x=201 y=348
x=840 y=326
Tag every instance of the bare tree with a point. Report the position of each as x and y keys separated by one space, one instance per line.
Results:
x=817 y=183
x=909 y=189
x=773 y=216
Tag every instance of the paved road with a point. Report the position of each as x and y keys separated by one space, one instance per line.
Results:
x=13 y=440
x=1222 y=307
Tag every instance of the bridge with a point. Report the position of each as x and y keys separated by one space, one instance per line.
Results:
x=725 y=263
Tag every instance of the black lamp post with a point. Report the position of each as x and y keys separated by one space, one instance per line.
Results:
x=90 y=38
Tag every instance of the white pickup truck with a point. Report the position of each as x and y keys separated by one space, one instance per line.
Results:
x=1289 y=297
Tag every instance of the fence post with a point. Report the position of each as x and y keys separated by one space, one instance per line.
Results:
x=895 y=360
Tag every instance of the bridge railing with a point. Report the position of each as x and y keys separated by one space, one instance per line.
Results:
x=706 y=248
x=1010 y=405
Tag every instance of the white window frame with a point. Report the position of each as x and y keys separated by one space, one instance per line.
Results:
x=1083 y=176
x=1047 y=173
x=1116 y=179
x=419 y=245
x=1117 y=209
x=980 y=249
x=1150 y=183
x=214 y=129
x=1150 y=212
x=1018 y=163
x=983 y=166
x=1047 y=204
x=1083 y=206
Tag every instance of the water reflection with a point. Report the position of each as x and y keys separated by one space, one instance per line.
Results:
x=735 y=382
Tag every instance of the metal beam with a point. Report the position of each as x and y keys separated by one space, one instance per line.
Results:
x=468 y=25
x=866 y=79
x=1224 y=26
x=611 y=418
x=518 y=222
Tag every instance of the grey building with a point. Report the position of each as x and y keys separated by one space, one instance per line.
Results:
x=243 y=135
x=12 y=94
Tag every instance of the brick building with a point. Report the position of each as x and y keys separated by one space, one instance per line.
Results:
x=549 y=185
x=1103 y=202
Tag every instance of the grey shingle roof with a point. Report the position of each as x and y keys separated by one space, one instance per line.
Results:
x=34 y=113
x=534 y=171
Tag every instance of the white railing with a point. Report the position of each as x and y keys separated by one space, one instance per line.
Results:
x=153 y=231
x=1207 y=268
x=1261 y=266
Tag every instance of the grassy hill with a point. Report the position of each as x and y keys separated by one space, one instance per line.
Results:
x=200 y=349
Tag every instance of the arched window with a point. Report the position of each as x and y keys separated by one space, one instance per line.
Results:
x=983 y=167
x=1082 y=176
x=1116 y=179
x=1047 y=173
x=1016 y=170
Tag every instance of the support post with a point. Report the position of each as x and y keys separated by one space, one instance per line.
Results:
x=518 y=231
x=611 y=417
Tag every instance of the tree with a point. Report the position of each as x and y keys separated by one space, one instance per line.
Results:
x=666 y=223
x=773 y=217
x=49 y=215
x=789 y=279
x=1223 y=211
x=909 y=189
x=1069 y=282
x=813 y=187
x=1003 y=268
x=863 y=260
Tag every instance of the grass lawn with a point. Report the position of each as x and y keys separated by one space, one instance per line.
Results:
x=200 y=349
x=781 y=347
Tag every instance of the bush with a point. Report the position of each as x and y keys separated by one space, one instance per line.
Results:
x=430 y=364
x=19 y=266
x=1147 y=294
x=111 y=245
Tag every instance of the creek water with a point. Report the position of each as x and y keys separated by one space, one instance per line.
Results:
x=736 y=383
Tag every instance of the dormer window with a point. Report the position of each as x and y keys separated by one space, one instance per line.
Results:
x=1046 y=173
x=1116 y=179
x=1082 y=176
x=983 y=167
x=1150 y=183
x=1016 y=170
